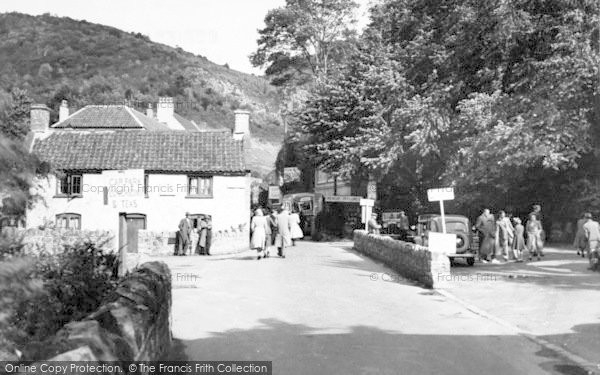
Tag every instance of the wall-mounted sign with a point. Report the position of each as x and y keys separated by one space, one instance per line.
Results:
x=343 y=198
x=125 y=188
x=274 y=193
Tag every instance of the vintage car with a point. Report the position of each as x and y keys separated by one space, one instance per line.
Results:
x=467 y=242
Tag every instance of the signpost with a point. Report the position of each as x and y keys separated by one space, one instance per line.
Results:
x=441 y=242
x=441 y=195
x=366 y=207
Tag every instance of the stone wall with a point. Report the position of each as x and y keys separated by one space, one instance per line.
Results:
x=409 y=260
x=51 y=240
x=133 y=327
x=153 y=243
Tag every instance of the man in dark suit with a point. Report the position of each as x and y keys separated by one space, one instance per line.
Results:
x=185 y=230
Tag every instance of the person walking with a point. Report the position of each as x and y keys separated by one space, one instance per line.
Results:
x=403 y=225
x=372 y=225
x=504 y=235
x=580 y=242
x=537 y=211
x=591 y=229
x=296 y=231
x=208 y=220
x=268 y=232
x=272 y=220
x=185 y=230
x=519 y=240
x=534 y=239
x=284 y=231
x=202 y=232
x=258 y=227
x=486 y=226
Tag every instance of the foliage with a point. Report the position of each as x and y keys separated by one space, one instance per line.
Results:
x=60 y=58
x=304 y=39
x=480 y=95
x=42 y=294
x=14 y=118
x=18 y=168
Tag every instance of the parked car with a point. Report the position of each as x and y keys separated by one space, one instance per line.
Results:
x=467 y=241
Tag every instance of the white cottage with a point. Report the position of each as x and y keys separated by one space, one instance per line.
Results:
x=121 y=170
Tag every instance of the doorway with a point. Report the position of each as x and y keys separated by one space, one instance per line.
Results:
x=129 y=224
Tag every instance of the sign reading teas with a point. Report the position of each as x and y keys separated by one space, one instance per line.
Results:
x=440 y=194
x=124 y=188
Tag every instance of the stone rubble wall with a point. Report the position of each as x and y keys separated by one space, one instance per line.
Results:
x=134 y=327
x=408 y=259
x=51 y=240
x=152 y=243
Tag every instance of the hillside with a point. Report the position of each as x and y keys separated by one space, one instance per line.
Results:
x=57 y=58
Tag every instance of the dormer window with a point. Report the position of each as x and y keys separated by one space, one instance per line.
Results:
x=69 y=185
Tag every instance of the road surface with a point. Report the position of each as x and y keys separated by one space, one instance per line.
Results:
x=326 y=309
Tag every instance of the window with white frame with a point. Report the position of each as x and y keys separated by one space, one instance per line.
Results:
x=199 y=186
x=69 y=185
x=68 y=220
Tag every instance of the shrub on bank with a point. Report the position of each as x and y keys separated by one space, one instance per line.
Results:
x=39 y=294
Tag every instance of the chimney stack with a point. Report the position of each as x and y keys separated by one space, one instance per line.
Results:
x=165 y=109
x=63 y=111
x=242 y=124
x=149 y=111
x=40 y=118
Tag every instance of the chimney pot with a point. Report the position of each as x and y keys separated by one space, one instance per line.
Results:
x=149 y=111
x=63 y=111
x=40 y=118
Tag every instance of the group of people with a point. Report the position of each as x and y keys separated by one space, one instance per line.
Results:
x=503 y=238
x=587 y=237
x=203 y=228
x=274 y=228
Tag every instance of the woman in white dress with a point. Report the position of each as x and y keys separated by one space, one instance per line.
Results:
x=258 y=226
x=295 y=224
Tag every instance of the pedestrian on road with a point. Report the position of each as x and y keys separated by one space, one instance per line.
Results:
x=258 y=227
x=272 y=220
x=580 y=242
x=372 y=224
x=403 y=224
x=537 y=211
x=208 y=220
x=296 y=230
x=504 y=236
x=202 y=231
x=592 y=233
x=268 y=231
x=183 y=235
x=284 y=231
x=534 y=239
x=486 y=226
x=519 y=240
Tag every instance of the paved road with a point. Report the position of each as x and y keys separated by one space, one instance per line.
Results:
x=557 y=298
x=328 y=310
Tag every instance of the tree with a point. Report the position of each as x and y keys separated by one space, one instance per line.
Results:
x=14 y=120
x=304 y=39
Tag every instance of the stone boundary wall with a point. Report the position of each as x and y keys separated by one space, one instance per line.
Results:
x=154 y=243
x=134 y=327
x=409 y=260
x=51 y=240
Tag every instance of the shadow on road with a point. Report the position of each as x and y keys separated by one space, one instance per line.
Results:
x=368 y=350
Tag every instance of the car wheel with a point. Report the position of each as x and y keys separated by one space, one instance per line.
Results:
x=471 y=261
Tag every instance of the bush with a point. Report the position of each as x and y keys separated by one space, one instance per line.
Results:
x=55 y=290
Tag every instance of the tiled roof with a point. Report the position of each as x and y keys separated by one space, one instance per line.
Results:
x=187 y=124
x=167 y=151
x=109 y=117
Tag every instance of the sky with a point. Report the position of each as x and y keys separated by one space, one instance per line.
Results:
x=224 y=31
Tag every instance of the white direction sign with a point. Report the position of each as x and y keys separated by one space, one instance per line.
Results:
x=274 y=193
x=440 y=194
x=343 y=198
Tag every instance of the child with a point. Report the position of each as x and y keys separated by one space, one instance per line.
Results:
x=519 y=240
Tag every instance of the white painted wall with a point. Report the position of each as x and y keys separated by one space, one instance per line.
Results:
x=229 y=206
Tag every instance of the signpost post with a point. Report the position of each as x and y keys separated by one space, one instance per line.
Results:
x=441 y=242
x=366 y=206
x=441 y=195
